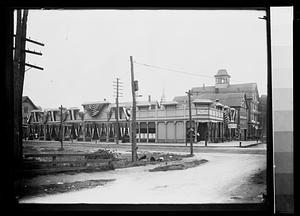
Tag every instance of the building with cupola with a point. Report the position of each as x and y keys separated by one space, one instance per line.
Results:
x=242 y=97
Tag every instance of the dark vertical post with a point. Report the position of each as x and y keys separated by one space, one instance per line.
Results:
x=133 y=123
x=117 y=113
x=16 y=75
x=190 y=120
x=61 y=129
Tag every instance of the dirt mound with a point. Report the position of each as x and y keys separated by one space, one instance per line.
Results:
x=60 y=187
x=179 y=166
x=104 y=154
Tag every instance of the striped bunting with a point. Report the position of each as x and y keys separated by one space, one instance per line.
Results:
x=94 y=109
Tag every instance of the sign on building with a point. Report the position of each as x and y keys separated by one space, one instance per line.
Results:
x=232 y=125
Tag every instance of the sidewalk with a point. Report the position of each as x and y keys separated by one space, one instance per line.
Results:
x=244 y=144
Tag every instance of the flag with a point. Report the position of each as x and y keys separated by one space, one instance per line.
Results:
x=157 y=104
x=225 y=116
x=94 y=109
x=127 y=113
x=52 y=116
x=35 y=117
x=71 y=114
x=28 y=118
x=233 y=115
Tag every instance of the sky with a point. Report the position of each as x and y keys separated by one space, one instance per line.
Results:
x=86 y=50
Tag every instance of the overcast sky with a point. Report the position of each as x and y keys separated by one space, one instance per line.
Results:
x=85 y=50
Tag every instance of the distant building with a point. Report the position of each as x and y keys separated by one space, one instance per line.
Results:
x=243 y=97
x=27 y=106
x=262 y=107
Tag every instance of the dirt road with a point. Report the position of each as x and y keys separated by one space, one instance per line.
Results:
x=224 y=178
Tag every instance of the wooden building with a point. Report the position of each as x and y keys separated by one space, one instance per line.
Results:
x=167 y=122
x=27 y=107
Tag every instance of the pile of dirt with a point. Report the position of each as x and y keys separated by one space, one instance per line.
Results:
x=179 y=166
x=161 y=156
x=60 y=187
x=254 y=190
x=260 y=177
x=104 y=154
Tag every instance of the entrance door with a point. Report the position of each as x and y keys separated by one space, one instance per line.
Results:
x=202 y=130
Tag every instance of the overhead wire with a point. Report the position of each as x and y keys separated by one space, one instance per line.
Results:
x=179 y=71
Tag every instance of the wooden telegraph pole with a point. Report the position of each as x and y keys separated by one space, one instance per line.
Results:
x=19 y=72
x=117 y=88
x=61 y=129
x=190 y=122
x=133 y=123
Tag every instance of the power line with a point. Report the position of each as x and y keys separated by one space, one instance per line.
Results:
x=179 y=71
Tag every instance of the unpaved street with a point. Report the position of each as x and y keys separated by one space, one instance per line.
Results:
x=222 y=178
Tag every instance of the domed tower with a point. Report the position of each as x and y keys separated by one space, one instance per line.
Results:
x=222 y=79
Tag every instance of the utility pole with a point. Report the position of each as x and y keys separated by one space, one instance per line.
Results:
x=117 y=88
x=61 y=129
x=133 y=127
x=190 y=122
x=19 y=71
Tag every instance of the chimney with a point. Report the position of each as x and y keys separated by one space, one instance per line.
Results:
x=149 y=98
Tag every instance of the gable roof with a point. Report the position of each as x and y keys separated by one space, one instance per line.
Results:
x=26 y=98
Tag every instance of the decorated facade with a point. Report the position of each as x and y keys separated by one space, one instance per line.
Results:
x=220 y=113
x=167 y=122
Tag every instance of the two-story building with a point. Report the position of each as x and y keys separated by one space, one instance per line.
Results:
x=167 y=122
x=242 y=97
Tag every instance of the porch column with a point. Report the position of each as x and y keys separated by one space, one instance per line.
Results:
x=196 y=127
x=156 y=131
x=175 y=135
x=129 y=131
x=184 y=131
x=147 y=124
x=45 y=132
x=107 y=132
x=166 y=128
x=207 y=135
x=83 y=131
x=139 y=127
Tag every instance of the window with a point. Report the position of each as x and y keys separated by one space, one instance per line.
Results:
x=25 y=109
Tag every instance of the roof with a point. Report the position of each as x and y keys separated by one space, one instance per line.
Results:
x=232 y=88
x=73 y=108
x=169 y=103
x=222 y=72
x=204 y=101
x=229 y=99
x=95 y=102
x=145 y=103
x=26 y=98
x=36 y=110
x=219 y=104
